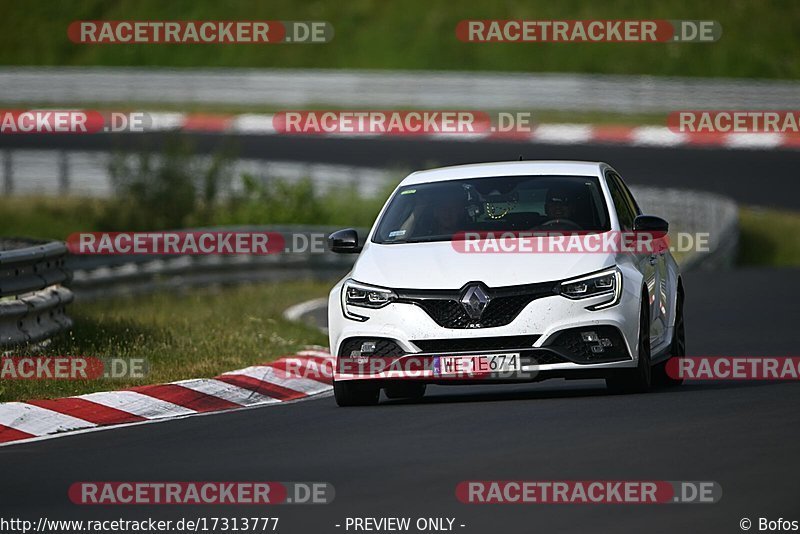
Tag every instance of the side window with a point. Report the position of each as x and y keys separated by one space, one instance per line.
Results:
x=625 y=212
x=628 y=194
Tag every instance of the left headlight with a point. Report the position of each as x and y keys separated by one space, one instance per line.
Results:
x=364 y=296
x=607 y=282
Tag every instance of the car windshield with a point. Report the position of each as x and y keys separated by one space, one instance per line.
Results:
x=438 y=211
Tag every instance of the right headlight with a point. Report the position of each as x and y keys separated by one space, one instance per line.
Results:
x=607 y=282
x=364 y=296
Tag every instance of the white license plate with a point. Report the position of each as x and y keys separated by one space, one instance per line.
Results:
x=477 y=364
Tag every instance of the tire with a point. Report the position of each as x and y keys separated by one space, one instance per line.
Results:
x=355 y=393
x=677 y=347
x=638 y=379
x=410 y=391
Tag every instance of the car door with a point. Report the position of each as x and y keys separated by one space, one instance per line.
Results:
x=647 y=263
x=664 y=304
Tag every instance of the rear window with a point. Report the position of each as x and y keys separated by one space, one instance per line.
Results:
x=437 y=211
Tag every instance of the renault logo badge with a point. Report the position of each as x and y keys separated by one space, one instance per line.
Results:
x=475 y=301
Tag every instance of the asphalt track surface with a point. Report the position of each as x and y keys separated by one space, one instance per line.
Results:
x=405 y=459
x=752 y=177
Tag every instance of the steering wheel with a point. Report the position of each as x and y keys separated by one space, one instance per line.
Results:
x=563 y=224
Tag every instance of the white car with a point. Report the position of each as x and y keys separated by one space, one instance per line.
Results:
x=464 y=278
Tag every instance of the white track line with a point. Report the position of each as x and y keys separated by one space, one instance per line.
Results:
x=656 y=136
x=563 y=133
x=296 y=312
x=253 y=123
x=166 y=121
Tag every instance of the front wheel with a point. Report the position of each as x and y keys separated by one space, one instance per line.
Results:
x=638 y=379
x=355 y=393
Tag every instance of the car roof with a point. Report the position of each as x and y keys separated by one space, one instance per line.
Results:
x=506 y=168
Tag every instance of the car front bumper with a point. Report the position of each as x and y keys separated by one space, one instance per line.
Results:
x=546 y=334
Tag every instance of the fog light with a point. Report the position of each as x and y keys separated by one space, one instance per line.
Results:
x=589 y=337
x=606 y=342
x=597 y=349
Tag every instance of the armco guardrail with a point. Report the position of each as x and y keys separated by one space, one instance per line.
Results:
x=32 y=300
x=364 y=88
x=99 y=276
x=43 y=171
x=695 y=212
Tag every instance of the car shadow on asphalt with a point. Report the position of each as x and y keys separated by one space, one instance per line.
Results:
x=562 y=390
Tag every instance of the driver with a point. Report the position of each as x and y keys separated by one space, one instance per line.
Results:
x=559 y=205
x=450 y=212
x=445 y=212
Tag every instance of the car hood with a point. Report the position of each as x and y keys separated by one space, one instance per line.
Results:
x=439 y=265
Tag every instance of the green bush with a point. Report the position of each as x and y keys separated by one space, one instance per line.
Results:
x=155 y=191
x=281 y=201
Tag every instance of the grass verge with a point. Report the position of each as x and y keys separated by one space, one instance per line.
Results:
x=50 y=217
x=200 y=334
x=759 y=36
x=47 y=217
x=769 y=237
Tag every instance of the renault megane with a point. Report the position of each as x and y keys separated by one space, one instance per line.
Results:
x=505 y=272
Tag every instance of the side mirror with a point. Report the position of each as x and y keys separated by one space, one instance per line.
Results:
x=650 y=223
x=344 y=241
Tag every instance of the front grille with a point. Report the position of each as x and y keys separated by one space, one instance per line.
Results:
x=505 y=303
x=451 y=314
x=476 y=343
